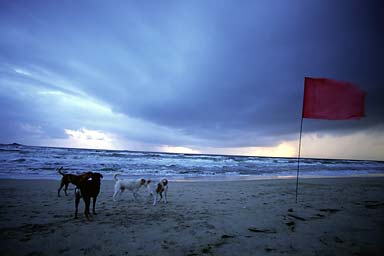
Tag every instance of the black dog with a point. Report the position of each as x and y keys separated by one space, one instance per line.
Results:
x=88 y=189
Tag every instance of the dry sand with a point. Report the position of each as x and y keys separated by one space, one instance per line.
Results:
x=342 y=216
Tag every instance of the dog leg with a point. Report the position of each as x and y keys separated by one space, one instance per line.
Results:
x=93 y=206
x=154 y=199
x=149 y=191
x=87 y=201
x=114 y=195
x=161 y=196
x=157 y=199
x=135 y=196
x=77 y=200
x=61 y=186
x=165 y=195
x=65 y=189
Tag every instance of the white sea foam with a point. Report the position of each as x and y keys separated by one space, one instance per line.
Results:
x=18 y=161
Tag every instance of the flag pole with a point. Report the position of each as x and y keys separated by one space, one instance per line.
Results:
x=298 y=158
x=301 y=131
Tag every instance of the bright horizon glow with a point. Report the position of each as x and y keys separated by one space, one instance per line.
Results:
x=183 y=150
x=97 y=139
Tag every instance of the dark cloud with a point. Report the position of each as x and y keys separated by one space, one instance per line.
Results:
x=228 y=74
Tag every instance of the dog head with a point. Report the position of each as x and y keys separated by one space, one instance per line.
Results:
x=144 y=182
x=164 y=182
x=96 y=176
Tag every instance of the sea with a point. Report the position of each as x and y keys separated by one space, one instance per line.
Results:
x=32 y=162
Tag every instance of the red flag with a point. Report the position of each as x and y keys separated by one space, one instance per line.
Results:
x=333 y=100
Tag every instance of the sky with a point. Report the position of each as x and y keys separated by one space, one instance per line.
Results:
x=216 y=77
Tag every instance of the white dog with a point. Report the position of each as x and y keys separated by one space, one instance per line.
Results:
x=132 y=185
x=160 y=187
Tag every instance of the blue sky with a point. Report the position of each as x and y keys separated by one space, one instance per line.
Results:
x=221 y=77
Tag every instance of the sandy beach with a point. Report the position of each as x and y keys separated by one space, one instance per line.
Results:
x=334 y=216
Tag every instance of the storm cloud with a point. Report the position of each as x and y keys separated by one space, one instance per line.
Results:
x=183 y=73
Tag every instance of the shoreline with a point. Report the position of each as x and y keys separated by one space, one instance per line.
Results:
x=218 y=178
x=333 y=216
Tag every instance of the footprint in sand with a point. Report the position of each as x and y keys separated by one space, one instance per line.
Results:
x=329 y=210
x=61 y=251
x=291 y=225
x=373 y=204
x=35 y=253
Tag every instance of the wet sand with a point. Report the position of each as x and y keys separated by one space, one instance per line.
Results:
x=338 y=216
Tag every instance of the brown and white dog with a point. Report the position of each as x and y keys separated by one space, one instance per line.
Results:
x=158 y=189
x=71 y=178
x=131 y=185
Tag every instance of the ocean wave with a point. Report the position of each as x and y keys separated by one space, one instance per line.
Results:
x=17 y=161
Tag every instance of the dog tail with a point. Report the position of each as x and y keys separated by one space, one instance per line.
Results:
x=60 y=170
x=115 y=176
